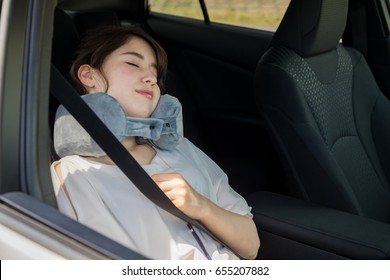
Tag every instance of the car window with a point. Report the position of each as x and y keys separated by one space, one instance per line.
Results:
x=183 y=8
x=258 y=14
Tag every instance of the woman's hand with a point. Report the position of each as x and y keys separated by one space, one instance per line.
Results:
x=237 y=231
x=182 y=195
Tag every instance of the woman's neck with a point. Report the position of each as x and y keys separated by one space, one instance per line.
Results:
x=130 y=143
x=142 y=153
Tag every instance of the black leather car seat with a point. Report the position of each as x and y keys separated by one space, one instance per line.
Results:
x=325 y=112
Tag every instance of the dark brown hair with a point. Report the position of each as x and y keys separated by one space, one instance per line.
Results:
x=101 y=42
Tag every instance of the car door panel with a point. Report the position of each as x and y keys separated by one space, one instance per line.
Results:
x=46 y=233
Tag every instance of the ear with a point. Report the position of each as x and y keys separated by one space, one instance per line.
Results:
x=86 y=77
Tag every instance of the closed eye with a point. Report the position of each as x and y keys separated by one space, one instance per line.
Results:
x=132 y=64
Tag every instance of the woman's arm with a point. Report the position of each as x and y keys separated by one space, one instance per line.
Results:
x=235 y=230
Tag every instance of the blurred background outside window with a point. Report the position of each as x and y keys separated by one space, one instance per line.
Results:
x=258 y=14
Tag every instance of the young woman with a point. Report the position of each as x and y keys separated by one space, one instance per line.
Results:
x=130 y=66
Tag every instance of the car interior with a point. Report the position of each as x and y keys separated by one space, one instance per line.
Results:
x=297 y=118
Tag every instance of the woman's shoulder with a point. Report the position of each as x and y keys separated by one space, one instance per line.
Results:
x=186 y=145
x=188 y=149
x=68 y=159
x=184 y=149
x=75 y=162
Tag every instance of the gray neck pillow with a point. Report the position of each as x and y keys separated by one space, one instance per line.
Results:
x=164 y=128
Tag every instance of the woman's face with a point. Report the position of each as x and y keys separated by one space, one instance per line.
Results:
x=131 y=74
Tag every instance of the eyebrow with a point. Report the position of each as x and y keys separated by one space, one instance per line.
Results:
x=135 y=54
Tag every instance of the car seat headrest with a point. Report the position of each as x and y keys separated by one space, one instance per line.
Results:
x=311 y=27
x=135 y=10
x=65 y=41
x=91 y=20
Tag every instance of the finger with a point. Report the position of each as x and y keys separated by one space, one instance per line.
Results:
x=172 y=182
x=175 y=184
x=160 y=177
x=165 y=186
x=174 y=196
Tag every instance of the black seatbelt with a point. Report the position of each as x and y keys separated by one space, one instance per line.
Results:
x=70 y=99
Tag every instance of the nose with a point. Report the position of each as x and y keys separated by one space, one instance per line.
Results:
x=149 y=78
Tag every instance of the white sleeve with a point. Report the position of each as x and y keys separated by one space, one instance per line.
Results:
x=81 y=202
x=227 y=197
x=63 y=201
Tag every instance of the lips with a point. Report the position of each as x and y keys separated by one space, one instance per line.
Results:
x=145 y=92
